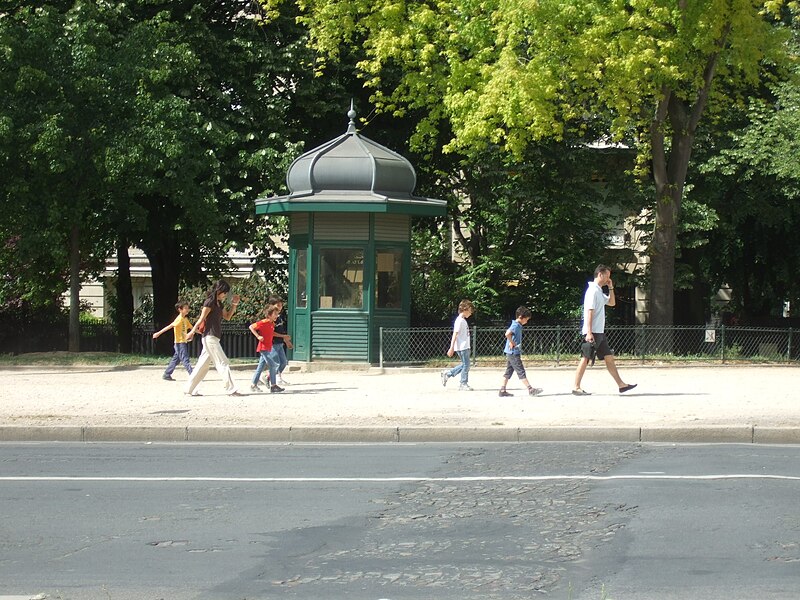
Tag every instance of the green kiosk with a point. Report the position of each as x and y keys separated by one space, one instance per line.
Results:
x=350 y=205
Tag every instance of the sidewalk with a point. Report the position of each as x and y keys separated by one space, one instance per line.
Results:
x=671 y=404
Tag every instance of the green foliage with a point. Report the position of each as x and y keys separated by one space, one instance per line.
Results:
x=50 y=181
x=508 y=74
x=748 y=178
x=531 y=231
x=153 y=122
x=515 y=72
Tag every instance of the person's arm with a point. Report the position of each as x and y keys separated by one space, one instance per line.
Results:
x=254 y=330
x=612 y=299
x=158 y=333
x=287 y=339
x=589 y=318
x=228 y=312
x=200 y=320
x=510 y=338
x=452 y=349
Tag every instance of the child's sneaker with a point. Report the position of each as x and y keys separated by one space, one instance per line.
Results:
x=532 y=391
x=444 y=376
x=265 y=380
x=464 y=387
x=275 y=389
x=504 y=394
x=255 y=388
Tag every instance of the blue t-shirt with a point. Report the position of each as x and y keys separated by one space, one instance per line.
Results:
x=516 y=334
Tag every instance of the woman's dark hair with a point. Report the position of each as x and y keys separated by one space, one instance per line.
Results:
x=219 y=286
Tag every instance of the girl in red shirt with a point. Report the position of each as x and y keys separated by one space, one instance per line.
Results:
x=264 y=330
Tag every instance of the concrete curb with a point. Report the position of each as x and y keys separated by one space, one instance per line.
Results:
x=744 y=434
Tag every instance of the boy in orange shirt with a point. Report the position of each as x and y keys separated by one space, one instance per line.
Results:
x=264 y=331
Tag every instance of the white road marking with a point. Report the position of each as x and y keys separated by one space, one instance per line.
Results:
x=479 y=478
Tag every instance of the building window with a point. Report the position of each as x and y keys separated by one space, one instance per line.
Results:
x=301 y=294
x=388 y=279
x=341 y=278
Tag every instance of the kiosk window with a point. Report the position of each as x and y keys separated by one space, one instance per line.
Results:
x=388 y=279
x=341 y=278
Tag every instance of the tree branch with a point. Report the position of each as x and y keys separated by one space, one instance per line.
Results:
x=657 y=139
x=708 y=79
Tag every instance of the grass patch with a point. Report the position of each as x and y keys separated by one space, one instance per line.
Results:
x=115 y=359
x=78 y=359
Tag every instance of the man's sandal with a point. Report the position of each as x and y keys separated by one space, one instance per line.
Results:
x=580 y=392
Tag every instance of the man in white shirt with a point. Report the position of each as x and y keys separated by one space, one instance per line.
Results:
x=594 y=326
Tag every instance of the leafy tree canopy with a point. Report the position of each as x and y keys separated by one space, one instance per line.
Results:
x=510 y=72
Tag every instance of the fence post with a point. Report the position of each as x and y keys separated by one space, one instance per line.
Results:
x=722 y=335
x=558 y=345
x=789 y=349
x=644 y=342
x=475 y=344
x=380 y=347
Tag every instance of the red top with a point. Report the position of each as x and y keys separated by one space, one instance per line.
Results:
x=265 y=329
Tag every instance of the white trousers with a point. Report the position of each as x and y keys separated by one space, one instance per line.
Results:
x=212 y=351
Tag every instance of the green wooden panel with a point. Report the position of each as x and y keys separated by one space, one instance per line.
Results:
x=340 y=335
x=299 y=223
x=341 y=226
x=392 y=228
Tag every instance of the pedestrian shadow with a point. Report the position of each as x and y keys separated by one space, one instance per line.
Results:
x=315 y=390
x=628 y=395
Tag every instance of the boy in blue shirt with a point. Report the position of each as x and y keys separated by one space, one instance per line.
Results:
x=513 y=352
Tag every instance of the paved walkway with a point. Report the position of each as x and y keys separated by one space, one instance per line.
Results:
x=671 y=404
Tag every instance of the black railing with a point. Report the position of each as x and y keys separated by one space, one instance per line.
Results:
x=427 y=345
x=554 y=344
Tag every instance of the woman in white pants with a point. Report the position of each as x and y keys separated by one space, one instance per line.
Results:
x=210 y=323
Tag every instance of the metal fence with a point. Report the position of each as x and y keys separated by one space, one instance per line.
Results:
x=557 y=344
x=237 y=341
x=427 y=345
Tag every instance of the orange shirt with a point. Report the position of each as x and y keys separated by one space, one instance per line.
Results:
x=265 y=329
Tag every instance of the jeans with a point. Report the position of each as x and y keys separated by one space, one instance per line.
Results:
x=280 y=349
x=269 y=358
x=463 y=368
x=181 y=355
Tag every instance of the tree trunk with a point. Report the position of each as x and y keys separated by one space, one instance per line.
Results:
x=669 y=175
x=662 y=260
x=124 y=298
x=74 y=290
x=164 y=260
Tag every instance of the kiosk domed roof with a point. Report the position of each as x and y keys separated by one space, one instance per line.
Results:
x=351 y=173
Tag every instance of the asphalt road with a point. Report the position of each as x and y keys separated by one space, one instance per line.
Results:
x=509 y=521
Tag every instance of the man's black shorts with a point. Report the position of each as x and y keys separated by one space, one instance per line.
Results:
x=601 y=347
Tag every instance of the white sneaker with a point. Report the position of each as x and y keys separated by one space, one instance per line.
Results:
x=255 y=388
x=282 y=381
x=464 y=387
